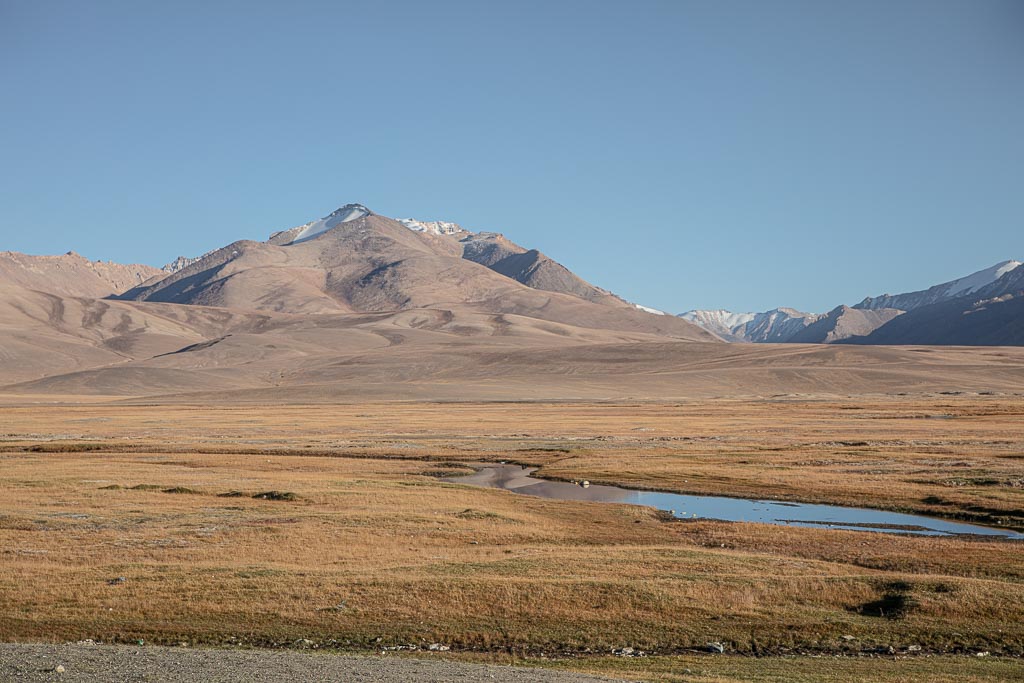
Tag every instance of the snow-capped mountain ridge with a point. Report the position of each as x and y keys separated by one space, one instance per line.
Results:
x=942 y=292
x=976 y=281
x=1002 y=280
x=775 y=325
x=778 y=324
x=725 y=324
x=351 y=212
x=433 y=227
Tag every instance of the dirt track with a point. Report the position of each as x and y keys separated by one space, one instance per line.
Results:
x=92 y=663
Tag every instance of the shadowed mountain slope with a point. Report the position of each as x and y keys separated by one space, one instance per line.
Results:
x=989 y=314
x=977 y=309
x=963 y=322
x=529 y=266
x=965 y=286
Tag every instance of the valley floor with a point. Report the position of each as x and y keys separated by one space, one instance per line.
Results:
x=328 y=527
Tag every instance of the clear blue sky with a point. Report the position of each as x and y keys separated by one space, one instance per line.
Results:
x=683 y=154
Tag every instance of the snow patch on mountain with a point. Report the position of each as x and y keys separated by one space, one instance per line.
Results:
x=776 y=325
x=975 y=281
x=432 y=227
x=349 y=212
x=302 y=233
x=647 y=309
x=718 y=320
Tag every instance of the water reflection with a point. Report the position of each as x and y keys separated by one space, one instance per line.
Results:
x=518 y=480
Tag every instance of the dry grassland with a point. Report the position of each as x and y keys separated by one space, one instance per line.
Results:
x=371 y=550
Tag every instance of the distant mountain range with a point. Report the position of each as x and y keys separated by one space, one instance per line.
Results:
x=356 y=306
x=984 y=308
x=351 y=298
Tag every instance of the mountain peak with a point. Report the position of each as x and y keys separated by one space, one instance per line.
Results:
x=344 y=214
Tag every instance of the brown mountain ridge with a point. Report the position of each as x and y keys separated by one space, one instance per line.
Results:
x=359 y=306
x=374 y=264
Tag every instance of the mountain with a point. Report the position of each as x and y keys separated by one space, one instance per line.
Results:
x=181 y=263
x=46 y=334
x=843 y=322
x=776 y=325
x=988 y=315
x=726 y=324
x=352 y=299
x=358 y=306
x=433 y=227
x=959 y=322
x=72 y=275
x=160 y=352
x=964 y=286
x=529 y=267
x=349 y=212
x=978 y=309
x=356 y=261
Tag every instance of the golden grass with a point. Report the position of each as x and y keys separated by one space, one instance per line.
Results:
x=374 y=546
x=960 y=456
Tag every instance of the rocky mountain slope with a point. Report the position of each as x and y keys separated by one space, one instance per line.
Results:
x=843 y=322
x=529 y=267
x=72 y=275
x=726 y=324
x=980 y=308
x=776 y=325
x=953 y=289
x=989 y=315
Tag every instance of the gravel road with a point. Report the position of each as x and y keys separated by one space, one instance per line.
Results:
x=92 y=663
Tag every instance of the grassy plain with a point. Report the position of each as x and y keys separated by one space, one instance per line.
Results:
x=371 y=550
